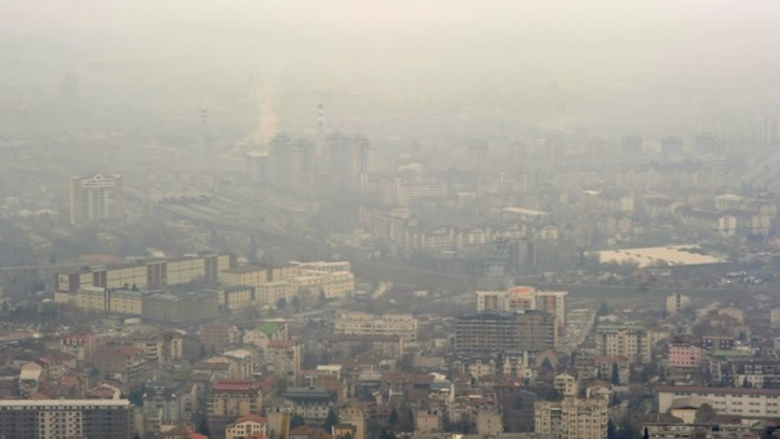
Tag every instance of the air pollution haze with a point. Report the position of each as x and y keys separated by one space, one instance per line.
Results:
x=375 y=219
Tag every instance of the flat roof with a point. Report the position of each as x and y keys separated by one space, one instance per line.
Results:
x=65 y=403
x=720 y=390
x=524 y=211
x=677 y=255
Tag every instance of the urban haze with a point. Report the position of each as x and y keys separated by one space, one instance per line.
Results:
x=376 y=219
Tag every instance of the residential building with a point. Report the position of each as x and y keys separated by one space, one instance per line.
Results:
x=219 y=336
x=283 y=357
x=584 y=418
x=312 y=403
x=676 y=303
x=565 y=384
x=96 y=198
x=335 y=285
x=79 y=344
x=605 y=364
x=256 y=275
x=230 y=399
x=525 y=298
x=489 y=422
x=631 y=341
x=572 y=418
x=180 y=307
x=357 y=323
x=47 y=419
x=325 y=266
x=125 y=302
x=732 y=401
x=123 y=362
x=261 y=335
x=685 y=353
x=145 y=274
x=497 y=331
x=247 y=426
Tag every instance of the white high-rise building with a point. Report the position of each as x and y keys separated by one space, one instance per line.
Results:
x=96 y=198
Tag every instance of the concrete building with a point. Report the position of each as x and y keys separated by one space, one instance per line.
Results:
x=262 y=335
x=96 y=198
x=685 y=353
x=738 y=401
x=235 y=297
x=125 y=302
x=584 y=418
x=336 y=285
x=257 y=275
x=146 y=274
x=325 y=266
x=357 y=323
x=547 y=419
x=124 y=363
x=283 y=357
x=498 y=331
x=565 y=384
x=489 y=422
x=219 y=336
x=631 y=341
x=269 y=294
x=774 y=317
x=247 y=426
x=49 y=419
x=676 y=303
x=79 y=344
x=572 y=418
x=526 y=298
x=349 y=159
x=312 y=403
x=180 y=307
x=230 y=399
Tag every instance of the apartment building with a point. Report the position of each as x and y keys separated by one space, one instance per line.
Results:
x=525 y=298
x=283 y=357
x=256 y=275
x=572 y=418
x=357 y=323
x=46 y=419
x=146 y=274
x=498 y=331
x=219 y=336
x=230 y=399
x=79 y=344
x=335 y=285
x=325 y=266
x=736 y=401
x=685 y=353
x=631 y=341
x=180 y=307
x=96 y=198
x=269 y=294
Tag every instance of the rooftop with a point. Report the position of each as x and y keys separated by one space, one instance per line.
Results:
x=43 y=403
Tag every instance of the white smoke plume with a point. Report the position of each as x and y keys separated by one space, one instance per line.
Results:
x=268 y=120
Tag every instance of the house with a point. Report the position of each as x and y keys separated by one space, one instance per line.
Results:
x=247 y=426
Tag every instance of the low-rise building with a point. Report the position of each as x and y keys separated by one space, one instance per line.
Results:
x=737 y=401
x=247 y=426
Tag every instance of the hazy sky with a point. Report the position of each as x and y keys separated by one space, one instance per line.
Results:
x=592 y=52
